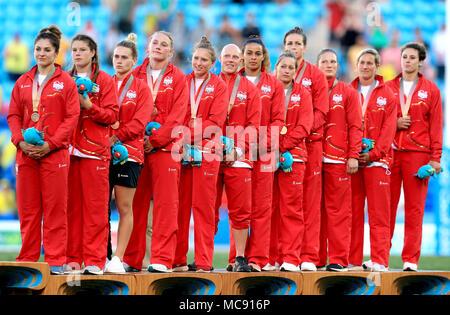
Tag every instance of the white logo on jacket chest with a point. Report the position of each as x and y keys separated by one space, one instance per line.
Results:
x=58 y=85
x=337 y=98
x=209 y=89
x=295 y=98
x=381 y=101
x=241 y=96
x=422 y=94
x=131 y=94
x=306 y=82
x=266 y=88
x=168 y=81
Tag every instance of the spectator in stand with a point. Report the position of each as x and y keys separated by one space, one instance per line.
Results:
x=90 y=31
x=63 y=49
x=250 y=28
x=438 y=48
x=352 y=55
x=337 y=9
x=352 y=30
x=181 y=37
x=389 y=55
x=228 y=33
x=111 y=39
x=17 y=58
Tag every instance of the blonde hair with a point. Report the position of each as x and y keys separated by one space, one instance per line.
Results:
x=370 y=51
x=130 y=42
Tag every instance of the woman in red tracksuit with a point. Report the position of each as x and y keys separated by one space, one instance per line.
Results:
x=287 y=192
x=256 y=69
x=244 y=115
x=341 y=147
x=418 y=142
x=89 y=163
x=160 y=174
x=205 y=117
x=42 y=171
x=379 y=111
x=316 y=83
x=135 y=107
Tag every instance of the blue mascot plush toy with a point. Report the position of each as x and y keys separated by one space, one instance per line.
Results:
x=367 y=145
x=227 y=145
x=193 y=156
x=152 y=127
x=426 y=171
x=85 y=86
x=286 y=161
x=33 y=136
x=119 y=153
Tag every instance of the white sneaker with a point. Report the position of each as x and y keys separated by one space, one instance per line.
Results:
x=180 y=269
x=308 y=266
x=289 y=267
x=269 y=267
x=352 y=267
x=367 y=265
x=378 y=268
x=158 y=268
x=115 y=266
x=409 y=267
x=92 y=270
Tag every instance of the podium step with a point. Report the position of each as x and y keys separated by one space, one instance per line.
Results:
x=23 y=277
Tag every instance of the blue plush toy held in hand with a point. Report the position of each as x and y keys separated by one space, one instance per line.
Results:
x=193 y=156
x=85 y=86
x=426 y=171
x=367 y=145
x=119 y=153
x=33 y=136
x=152 y=127
x=227 y=145
x=286 y=161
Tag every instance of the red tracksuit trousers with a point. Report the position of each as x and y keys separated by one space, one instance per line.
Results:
x=336 y=219
x=159 y=177
x=373 y=182
x=287 y=216
x=87 y=211
x=42 y=194
x=260 y=221
x=405 y=165
x=312 y=194
x=198 y=191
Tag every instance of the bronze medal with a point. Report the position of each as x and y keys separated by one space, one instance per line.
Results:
x=283 y=130
x=35 y=117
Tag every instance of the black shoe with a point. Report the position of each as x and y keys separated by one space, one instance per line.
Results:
x=336 y=267
x=230 y=267
x=132 y=269
x=241 y=265
x=192 y=267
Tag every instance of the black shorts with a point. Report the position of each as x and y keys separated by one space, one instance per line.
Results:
x=125 y=175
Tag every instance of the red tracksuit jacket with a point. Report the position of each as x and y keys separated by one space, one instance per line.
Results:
x=246 y=112
x=212 y=110
x=271 y=92
x=59 y=108
x=343 y=128
x=92 y=133
x=133 y=116
x=380 y=121
x=316 y=83
x=425 y=132
x=299 y=121
x=170 y=105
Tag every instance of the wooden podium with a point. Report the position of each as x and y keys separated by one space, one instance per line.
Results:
x=178 y=283
x=416 y=283
x=23 y=278
x=341 y=283
x=262 y=283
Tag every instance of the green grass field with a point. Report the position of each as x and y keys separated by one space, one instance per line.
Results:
x=221 y=260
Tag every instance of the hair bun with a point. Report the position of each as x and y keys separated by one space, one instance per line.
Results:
x=52 y=29
x=132 y=37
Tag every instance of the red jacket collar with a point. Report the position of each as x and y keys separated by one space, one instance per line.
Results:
x=32 y=73
x=379 y=78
